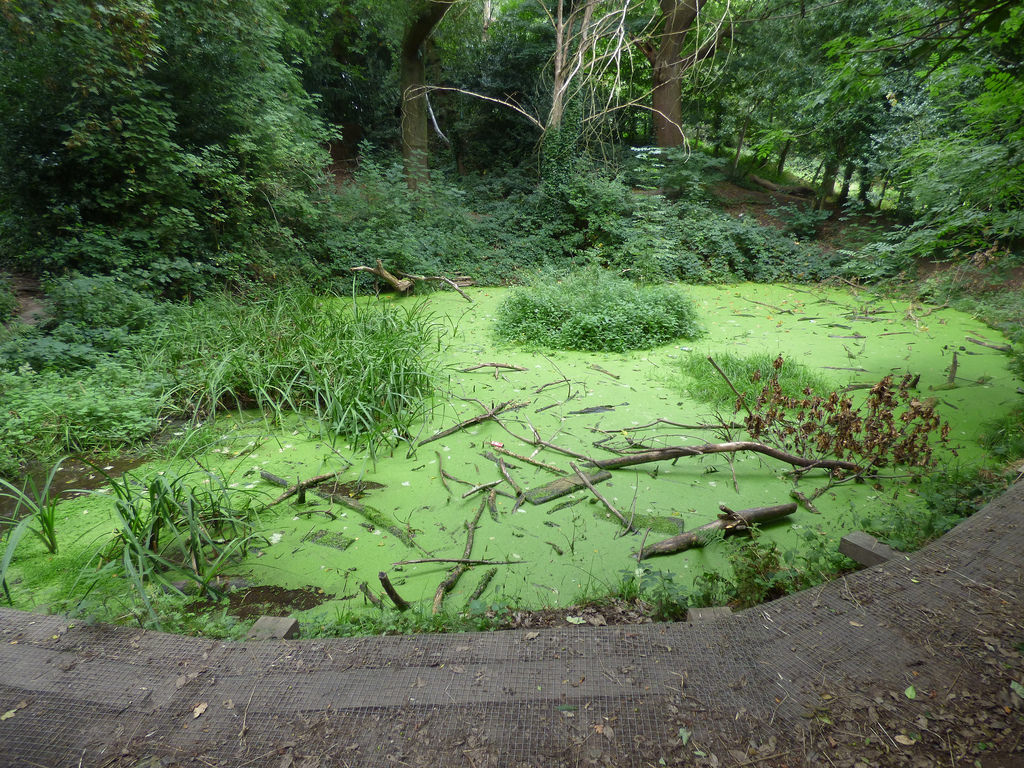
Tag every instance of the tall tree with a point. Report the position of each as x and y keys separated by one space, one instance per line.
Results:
x=412 y=80
x=664 y=50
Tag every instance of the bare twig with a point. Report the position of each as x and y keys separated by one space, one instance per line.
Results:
x=997 y=347
x=489 y=413
x=586 y=481
x=449 y=582
x=365 y=589
x=459 y=560
x=493 y=365
x=536 y=462
x=676 y=451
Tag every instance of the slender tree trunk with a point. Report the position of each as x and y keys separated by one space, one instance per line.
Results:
x=844 y=191
x=782 y=157
x=828 y=183
x=739 y=144
x=412 y=78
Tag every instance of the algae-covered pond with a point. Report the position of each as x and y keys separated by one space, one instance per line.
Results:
x=409 y=502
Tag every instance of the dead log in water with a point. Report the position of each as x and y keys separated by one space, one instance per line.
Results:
x=729 y=522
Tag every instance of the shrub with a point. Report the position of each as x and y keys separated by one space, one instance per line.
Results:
x=594 y=311
x=48 y=414
x=800 y=222
x=8 y=301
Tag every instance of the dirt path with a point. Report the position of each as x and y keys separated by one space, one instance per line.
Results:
x=917 y=662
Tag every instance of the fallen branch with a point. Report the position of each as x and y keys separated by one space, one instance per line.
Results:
x=484 y=581
x=458 y=560
x=452 y=283
x=452 y=578
x=489 y=413
x=599 y=369
x=298 y=487
x=400 y=603
x=677 y=451
x=583 y=478
x=951 y=380
x=496 y=366
x=563 y=486
x=536 y=462
x=808 y=504
x=401 y=285
x=482 y=487
x=729 y=522
x=997 y=347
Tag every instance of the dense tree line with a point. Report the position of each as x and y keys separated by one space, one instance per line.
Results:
x=183 y=143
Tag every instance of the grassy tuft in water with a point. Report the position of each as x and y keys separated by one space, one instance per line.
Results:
x=748 y=374
x=594 y=311
x=365 y=371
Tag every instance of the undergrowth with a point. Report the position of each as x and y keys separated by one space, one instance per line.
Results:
x=594 y=311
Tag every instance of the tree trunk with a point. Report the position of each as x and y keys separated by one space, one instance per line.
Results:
x=782 y=157
x=667 y=68
x=828 y=183
x=739 y=144
x=412 y=78
x=844 y=191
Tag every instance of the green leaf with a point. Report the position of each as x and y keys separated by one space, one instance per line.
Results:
x=1017 y=688
x=684 y=736
x=910 y=693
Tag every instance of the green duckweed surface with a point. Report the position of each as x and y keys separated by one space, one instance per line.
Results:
x=557 y=552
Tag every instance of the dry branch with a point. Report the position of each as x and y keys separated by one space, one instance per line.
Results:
x=677 y=451
x=459 y=561
x=526 y=459
x=997 y=347
x=452 y=578
x=489 y=413
x=402 y=285
x=729 y=522
x=562 y=486
x=738 y=394
x=808 y=504
x=583 y=478
x=454 y=284
x=493 y=365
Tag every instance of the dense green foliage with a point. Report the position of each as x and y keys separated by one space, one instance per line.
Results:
x=592 y=310
x=166 y=140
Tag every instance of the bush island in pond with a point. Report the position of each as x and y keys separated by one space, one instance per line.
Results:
x=595 y=312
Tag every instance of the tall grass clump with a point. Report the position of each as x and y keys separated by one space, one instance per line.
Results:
x=365 y=370
x=595 y=311
x=748 y=374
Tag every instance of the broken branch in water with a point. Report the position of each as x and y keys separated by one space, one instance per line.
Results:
x=458 y=560
x=400 y=603
x=452 y=578
x=489 y=413
x=298 y=487
x=482 y=487
x=536 y=462
x=997 y=347
x=454 y=284
x=495 y=366
x=583 y=478
x=808 y=504
x=402 y=286
x=676 y=451
x=484 y=581
x=729 y=522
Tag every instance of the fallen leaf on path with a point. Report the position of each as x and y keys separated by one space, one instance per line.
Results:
x=199 y=709
x=12 y=712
